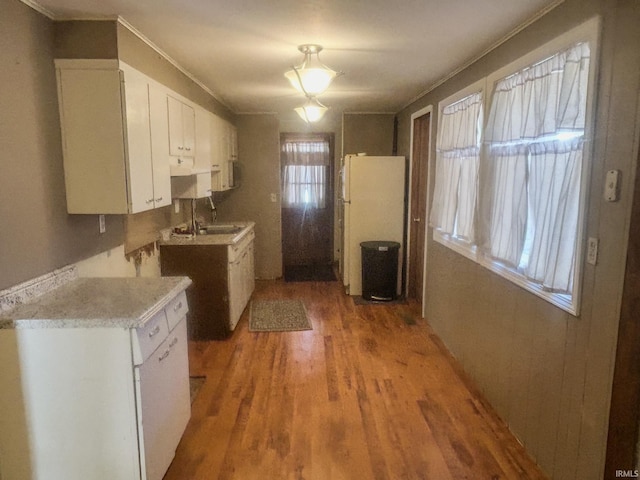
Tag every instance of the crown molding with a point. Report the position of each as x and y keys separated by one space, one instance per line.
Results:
x=39 y=8
x=49 y=14
x=172 y=61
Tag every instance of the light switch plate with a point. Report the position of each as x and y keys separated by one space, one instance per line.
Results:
x=592 y=250
x=611 y=185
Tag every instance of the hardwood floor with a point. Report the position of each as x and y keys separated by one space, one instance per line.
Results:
x=369 y=393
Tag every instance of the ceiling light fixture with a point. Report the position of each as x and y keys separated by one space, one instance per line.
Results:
x=312 y=110
x=312 y=77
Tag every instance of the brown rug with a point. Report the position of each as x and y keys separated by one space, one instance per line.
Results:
x=278 y=316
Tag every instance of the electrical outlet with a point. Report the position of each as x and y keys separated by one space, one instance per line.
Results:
x=592 y=250
x=176 y=205
x=103 y=224
x=274 y=197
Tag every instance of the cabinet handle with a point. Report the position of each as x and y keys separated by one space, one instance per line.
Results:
x=155 y=331
x=177 y=307
x=188 y=149
x=173 y=342
x=164 y=355
x=149 y=201
x=180 y=148
x=159 y=199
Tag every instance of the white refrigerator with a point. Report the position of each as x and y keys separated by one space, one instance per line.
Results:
x=373 y=195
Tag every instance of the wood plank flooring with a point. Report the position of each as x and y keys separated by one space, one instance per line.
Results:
x=369 y=393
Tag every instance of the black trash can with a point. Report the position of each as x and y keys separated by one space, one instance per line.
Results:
x=379 y=270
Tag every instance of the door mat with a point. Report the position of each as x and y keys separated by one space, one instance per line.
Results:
x=195 y=383
x=278 y=316
x=359 y=300
x=309 y=273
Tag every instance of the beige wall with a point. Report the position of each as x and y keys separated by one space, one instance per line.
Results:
x=548 y=373
x=135 y=52
x=370 y=133
x=86 y=39
x=37 y=234
x=259 y=165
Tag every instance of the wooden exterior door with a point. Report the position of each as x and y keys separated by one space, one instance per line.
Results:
x=418 y=213
x=307 y=225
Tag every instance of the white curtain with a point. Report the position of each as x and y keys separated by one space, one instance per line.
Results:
x=305 y=164
x=530 y=206
x=305 y=152
x=457 y=157
x=304 y=186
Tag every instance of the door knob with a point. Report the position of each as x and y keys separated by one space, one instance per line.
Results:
x=416 y=220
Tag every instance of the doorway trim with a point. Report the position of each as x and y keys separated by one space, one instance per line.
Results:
x=423 y=111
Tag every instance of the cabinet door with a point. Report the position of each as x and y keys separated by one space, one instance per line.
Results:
x=164 y=404
x=188 y=131
x=159 y=145
x=251 y=275
x=203 y=139
x=233 y=142
x=235 y=292
x=174 y=112
x=92 y=123
x=217 y=153
x=136 y=89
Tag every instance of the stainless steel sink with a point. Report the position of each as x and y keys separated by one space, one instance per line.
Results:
x=220 y=229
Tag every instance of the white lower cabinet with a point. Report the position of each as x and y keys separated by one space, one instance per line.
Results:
x=241 y=279
x=162 y=385
x=99 y=403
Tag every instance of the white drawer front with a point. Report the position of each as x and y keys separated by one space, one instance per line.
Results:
x=235 y=251
x=147 y=338
x=177 y=309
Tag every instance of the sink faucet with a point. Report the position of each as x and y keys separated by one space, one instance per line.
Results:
x=214 y=212
x=194 y=223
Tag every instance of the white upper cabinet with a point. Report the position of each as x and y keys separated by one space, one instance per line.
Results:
x=182 y=133
x=203 y=139
x=159 y=123
x=111 y=146
x=224 y=148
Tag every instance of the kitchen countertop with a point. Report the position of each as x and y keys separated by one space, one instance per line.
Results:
x=97 y=303
x=217 y=239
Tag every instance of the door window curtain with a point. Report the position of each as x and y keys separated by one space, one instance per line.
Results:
x=305 y=162
x=457 y=158
x=530 y=199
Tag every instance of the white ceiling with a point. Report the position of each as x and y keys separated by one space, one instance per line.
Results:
x=390 y=51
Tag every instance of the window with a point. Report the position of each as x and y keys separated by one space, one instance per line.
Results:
x=516 y=203
x=457 y=160
x=305 y=164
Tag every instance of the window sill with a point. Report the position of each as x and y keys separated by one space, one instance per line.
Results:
x=565 y=302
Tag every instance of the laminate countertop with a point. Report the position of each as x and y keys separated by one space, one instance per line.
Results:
x=215 y=239
x=97 y=303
